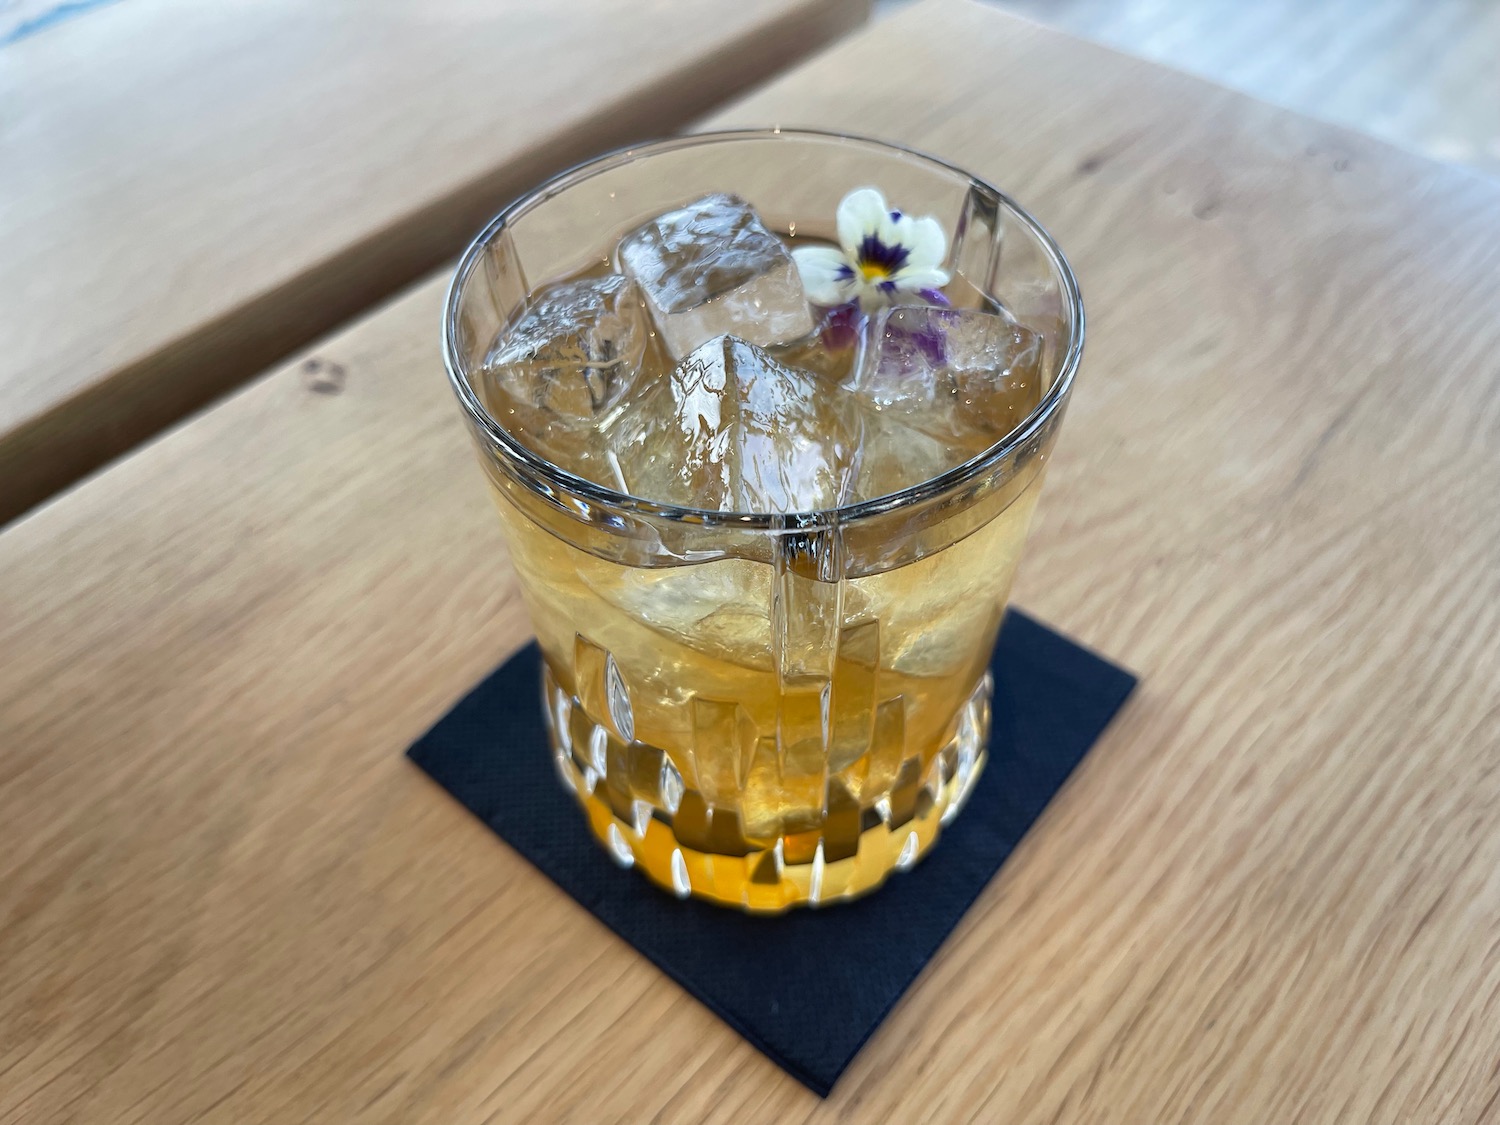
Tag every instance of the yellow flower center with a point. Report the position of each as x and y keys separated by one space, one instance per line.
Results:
x=873 y=271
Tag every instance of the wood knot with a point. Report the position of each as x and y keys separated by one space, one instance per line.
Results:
x=1092 y=163
x=323 y=377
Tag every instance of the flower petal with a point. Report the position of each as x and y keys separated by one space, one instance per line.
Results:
x=862 y=212
x=925 y=241
x=873 y=295
x=895 y=230
x=912 y=278
x=827 y=277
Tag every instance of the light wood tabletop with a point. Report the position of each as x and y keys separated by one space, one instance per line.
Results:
x=190 y=191
x=1269 y=894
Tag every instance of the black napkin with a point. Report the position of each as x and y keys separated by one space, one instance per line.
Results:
x=810 y=986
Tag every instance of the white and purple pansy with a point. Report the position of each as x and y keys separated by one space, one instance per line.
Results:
x=884 y=257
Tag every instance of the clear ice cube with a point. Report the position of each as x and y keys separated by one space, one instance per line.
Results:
x=574 y=352
x=712 y=268
x=830 y=349
x=720 y=608
x=958 y=375
x=894 y=456
x=936 y=386
x=733 y=430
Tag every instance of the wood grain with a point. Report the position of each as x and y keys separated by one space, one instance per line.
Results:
x=1270 y=894
x=1412 y=72
x=188 y=192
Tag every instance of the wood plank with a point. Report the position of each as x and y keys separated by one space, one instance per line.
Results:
x=190 y=192
x=1417 y=74
x=1269 y=895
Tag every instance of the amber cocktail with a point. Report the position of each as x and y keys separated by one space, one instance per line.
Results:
x=766 y=416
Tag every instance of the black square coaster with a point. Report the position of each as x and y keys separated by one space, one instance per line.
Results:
x=810 y=986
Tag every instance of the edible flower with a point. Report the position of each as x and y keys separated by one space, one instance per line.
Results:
x=884 y=256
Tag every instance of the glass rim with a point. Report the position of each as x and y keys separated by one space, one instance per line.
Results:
x=575 y=485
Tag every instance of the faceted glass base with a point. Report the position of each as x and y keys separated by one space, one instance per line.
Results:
x=636 y=818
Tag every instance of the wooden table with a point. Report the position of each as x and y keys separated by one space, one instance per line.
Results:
x=1269 y=895
x=189 y=192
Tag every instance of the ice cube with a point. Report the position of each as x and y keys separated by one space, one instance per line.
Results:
x=959 y=375
x=720 y=607
x=574 y=352
x=733 y=430
x=712 y=268
x=894 y=456
x=830 y=348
